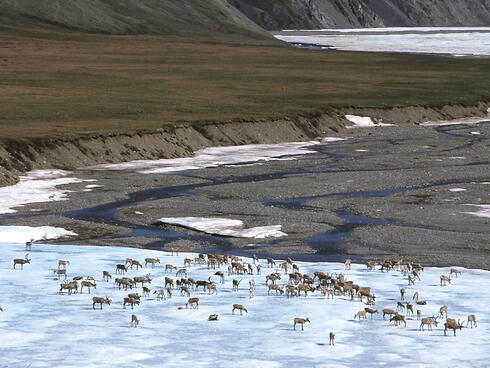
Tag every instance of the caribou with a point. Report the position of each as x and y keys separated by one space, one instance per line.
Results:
x=240 y=307
x=451 y=324
x=134 y=321
x=429 y=322
x=21 y=261
x=300 y=321
x=193 y=303
x=471 y=320
x=101 y=301
x=69 y=286
x=88 y=285
x=152 y=261
x=444 y=280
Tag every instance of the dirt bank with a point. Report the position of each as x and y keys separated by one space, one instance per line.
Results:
x=19 y=156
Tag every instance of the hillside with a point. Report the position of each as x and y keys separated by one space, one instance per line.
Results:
x=306 y=14
x=245 y=17
x=181 y=17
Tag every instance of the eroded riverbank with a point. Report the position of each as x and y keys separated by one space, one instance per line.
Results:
x=18 y=156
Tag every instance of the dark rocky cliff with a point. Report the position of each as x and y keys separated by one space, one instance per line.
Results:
x=294 y=14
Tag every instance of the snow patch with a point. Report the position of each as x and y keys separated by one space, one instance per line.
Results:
x=363 y=122
x=224 y=227
x=35 y=187
x=457 y=190
x=332 y=139
x=484 y=210
x=22 y=234
x=216 y=156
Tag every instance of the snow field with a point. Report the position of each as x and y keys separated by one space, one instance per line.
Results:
x=42 y=328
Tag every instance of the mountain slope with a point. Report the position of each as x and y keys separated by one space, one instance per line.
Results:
x=293 y=14
x=133 y=16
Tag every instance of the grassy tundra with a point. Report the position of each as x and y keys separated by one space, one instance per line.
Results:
x=60 y=83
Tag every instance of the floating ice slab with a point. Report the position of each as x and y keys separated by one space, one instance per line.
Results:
x=216 y=156
x=224 y=227
x=22 y=234
x=37 y=186
x=41 y=328
x=363 y=122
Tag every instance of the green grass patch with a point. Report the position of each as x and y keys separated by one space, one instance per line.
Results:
x=99 y=84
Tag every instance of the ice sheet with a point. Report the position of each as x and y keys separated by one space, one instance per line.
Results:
x=41 y=328
x=224 y=227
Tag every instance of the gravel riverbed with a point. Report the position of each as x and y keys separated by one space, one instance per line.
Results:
x=383 y=192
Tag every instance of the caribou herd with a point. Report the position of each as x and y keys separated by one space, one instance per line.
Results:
x=283 y=280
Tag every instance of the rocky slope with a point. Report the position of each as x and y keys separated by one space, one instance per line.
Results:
x=305 y=14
